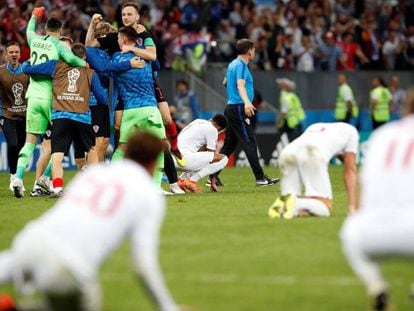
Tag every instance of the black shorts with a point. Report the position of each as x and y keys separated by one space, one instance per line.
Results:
x=64 y=131
x=48 y=134
x=159 y=94
x=100 y=120
x=119 y=105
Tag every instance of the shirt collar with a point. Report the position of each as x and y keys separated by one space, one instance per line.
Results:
x=16 y=71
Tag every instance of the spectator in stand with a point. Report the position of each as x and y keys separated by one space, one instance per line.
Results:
x=226 y=37
x=262 y=60
x=329 y=54
x=398 y=97
x=389 y=49
x=186 y=107
x=304 y=56
x=351 y=50
x=370 y=43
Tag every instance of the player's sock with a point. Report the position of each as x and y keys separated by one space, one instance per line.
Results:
x=169 y=168
x=210 y=169
x=57 y=184
x=6 y=266
x=12 y=156
x=118 y=155
x=313 y=206
x=159 y=168
x=48 y=170
x=171 y=131
x=24 y=157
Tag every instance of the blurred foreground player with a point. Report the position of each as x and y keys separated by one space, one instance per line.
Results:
x=304 y=163
x=60 y=253
x=383 y=226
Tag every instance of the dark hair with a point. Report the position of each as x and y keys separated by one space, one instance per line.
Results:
x=129 y=32
x=133 y=4
x=220 y=120
x=53 y=24
x=11 y=43
x=143 y=148
x=382 y=81
x=243 y=46
x=65 y=38
x=79 y=50
x=181 y=81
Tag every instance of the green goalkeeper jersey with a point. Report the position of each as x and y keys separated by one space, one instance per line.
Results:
x=42 y=49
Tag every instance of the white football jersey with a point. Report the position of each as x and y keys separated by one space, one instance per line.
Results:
x=101 y=207
x=197 y=134
x=387 y=176
x=331 y=139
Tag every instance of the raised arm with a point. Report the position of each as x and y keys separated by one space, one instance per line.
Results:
x=31 y=26
x=90 y=39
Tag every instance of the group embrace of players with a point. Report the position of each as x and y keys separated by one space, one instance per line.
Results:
x=65 y=93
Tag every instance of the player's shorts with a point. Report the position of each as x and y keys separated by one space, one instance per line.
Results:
x=159 y=94
x=119 y=105
x=48 y=134
x=146 y=119
x=100 y=120
x=38 y=115
x=303 y=164
x=64 y=131
x=195 y=160
x=64 y=279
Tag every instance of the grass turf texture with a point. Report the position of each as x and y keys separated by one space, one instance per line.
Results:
x=220 y=252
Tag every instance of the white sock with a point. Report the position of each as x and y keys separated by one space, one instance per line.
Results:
x=210 y=169
x=313 y=206
x=6 y=266
x=185 y=175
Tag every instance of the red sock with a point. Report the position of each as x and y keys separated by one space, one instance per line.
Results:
x=171 y=131
x=57 y=182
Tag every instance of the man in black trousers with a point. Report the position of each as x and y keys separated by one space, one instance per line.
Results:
x=239 y=110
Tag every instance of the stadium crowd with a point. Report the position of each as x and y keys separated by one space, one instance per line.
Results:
x=304 y=35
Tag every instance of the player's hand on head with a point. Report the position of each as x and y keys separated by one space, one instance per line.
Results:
x=137 y=62
x=39 y=12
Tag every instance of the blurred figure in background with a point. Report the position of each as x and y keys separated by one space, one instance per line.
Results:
x=398 y=97
x=187 y=107
x=346 y=106
x=380 y=102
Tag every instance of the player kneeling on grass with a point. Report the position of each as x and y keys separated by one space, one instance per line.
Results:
x=60 y=253
x=383 y=224
x=305 y=161
x=198 y=143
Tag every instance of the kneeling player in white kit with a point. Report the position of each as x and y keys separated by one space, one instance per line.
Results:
x=60 y=253
x=305 y=161
x=198 y=143
x=383 y=224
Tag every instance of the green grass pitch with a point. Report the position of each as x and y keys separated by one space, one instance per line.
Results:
x=220 y=252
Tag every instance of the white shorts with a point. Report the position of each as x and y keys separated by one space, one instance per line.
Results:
x=196 y=160
x=302 y=164
x=376 y=234
x=38 y=265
